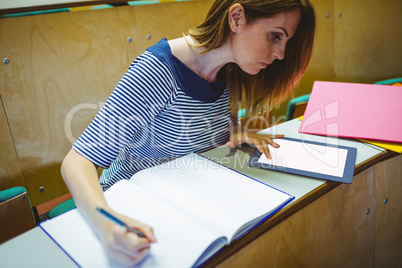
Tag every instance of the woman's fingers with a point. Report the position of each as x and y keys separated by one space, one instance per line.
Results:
x=125 y=247
x=261 y=142
x=262 y=147
x=269 y=139
x=148 y=231
x=128 y=259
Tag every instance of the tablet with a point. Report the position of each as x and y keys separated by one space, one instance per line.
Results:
x=308 y=158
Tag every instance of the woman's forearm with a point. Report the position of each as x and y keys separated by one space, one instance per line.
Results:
x=81 y=178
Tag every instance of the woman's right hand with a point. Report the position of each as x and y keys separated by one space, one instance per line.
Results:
x=122 y=246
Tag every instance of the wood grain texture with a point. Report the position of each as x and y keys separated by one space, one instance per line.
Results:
x=321 y=65
x=333 y=231
x=368 y=40
x=169 y=20
x=388 y=175
x=10 y=170
x=62 y=68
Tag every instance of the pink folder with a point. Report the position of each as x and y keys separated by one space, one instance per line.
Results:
x=353 y=110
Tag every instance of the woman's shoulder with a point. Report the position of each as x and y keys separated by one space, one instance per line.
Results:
x=152 y=61
x=161 y=51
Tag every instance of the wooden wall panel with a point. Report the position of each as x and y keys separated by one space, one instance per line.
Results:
x=368 y=40
x=10 y=170
x=169 y=20
x=333 y=231
x=389 y=214
x=58 y=63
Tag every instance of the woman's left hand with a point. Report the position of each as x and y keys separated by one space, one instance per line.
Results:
x=260 y=141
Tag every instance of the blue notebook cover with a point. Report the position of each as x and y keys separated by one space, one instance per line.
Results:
x=309 y=158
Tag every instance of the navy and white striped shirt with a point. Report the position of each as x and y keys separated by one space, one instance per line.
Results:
x=160 y=110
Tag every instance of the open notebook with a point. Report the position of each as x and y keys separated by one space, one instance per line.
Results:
x=195 y=206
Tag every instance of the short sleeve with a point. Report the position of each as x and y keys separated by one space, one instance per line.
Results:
x=145 y=89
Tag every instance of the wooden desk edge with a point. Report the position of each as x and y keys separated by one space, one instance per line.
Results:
x=289 y=210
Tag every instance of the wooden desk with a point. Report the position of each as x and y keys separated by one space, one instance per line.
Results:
x=327 y=225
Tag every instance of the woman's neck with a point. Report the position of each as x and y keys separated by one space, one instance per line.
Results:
x=206 y=65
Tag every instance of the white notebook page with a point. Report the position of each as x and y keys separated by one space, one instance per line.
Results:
x=179 y=245
x=208 y=192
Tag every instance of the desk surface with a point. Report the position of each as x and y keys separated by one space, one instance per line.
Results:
x=293 y=184
x=33 y=249
x=40 y=249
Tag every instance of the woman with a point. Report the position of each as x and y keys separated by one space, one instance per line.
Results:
x=180 y=97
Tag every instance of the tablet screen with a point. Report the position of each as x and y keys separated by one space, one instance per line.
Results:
x=307 y=156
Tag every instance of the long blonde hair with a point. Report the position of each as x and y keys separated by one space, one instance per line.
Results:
x=272 y=85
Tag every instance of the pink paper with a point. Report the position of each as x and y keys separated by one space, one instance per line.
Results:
x=353 y=110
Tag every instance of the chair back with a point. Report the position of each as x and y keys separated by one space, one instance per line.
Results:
x=296 y=107
x=16 y=215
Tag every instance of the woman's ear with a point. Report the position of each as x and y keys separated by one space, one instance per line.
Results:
x=237 y=17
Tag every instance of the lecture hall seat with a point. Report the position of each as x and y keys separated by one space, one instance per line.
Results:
x=16 y=214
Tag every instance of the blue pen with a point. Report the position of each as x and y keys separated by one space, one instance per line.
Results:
x=119 y=222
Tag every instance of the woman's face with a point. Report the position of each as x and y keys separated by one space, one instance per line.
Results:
x=256 y=45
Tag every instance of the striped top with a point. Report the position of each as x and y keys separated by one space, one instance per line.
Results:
x=160 y=110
